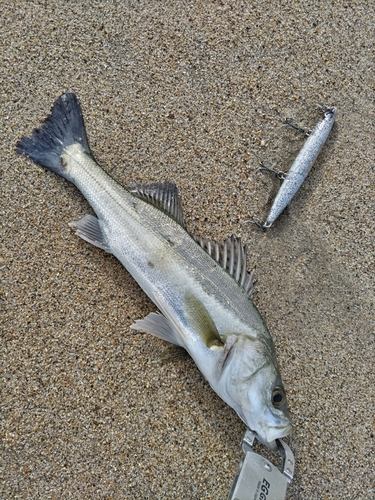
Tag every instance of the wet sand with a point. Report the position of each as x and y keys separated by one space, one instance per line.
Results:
x=194 y=92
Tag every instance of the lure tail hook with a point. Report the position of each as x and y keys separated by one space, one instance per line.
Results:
x=305 y=131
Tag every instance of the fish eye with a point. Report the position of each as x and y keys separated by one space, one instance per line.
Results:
x=278 y=396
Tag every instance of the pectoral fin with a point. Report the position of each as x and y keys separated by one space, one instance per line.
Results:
x=202 y=322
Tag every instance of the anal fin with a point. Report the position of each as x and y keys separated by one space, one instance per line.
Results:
x=88 y=228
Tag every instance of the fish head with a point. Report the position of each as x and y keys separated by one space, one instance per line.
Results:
x=264 y=406
x=251 y=384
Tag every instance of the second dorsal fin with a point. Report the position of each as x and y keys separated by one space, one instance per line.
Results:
x=163 y=195
x=231 y=255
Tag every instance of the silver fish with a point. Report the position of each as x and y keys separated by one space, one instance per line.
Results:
x=301 y=166
x=202 y=288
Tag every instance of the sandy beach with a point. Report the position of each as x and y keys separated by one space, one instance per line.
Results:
x=195 y=93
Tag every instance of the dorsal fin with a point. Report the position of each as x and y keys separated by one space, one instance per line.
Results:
x=163 y=195
x=231 y=255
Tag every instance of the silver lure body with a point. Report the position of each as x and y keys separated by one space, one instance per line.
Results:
x=200 y=289
x=302 y=165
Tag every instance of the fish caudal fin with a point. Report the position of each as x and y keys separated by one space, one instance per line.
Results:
x=63 y=127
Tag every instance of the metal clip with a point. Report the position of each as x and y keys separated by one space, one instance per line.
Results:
x=257 y=478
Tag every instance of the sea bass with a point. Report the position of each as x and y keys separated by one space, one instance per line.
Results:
x=201 y=288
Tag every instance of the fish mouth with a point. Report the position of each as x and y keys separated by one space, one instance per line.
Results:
x=272 y=434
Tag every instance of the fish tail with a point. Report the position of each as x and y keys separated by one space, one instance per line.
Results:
x=63 y=127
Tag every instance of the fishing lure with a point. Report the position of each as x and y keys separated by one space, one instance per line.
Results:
x=300 y=168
